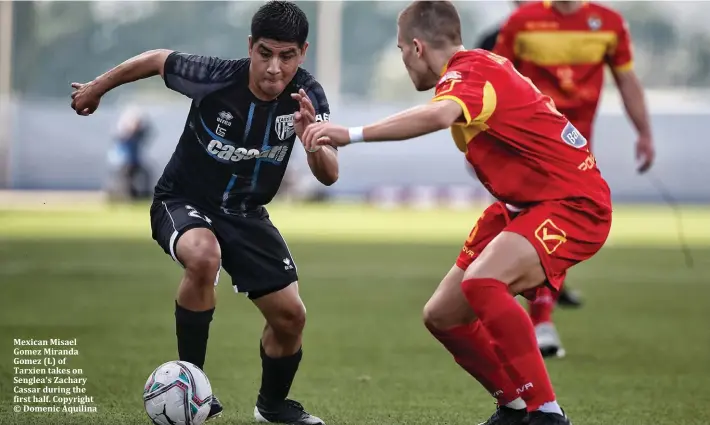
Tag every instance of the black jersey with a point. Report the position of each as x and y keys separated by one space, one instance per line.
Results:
x=234 y=149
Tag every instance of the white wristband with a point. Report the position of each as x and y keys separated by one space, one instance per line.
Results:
x=356 y=134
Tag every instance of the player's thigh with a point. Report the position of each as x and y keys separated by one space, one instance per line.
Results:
x=448 y=307
x=185 y=233
x=255 y=255
x=509 y=258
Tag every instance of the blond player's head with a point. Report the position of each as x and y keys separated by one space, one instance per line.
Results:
x=427 y=32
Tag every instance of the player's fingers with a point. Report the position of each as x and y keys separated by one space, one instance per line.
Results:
x=308 y=117
x=308 y=105
x=307 y=135
x=325 y=140
x=646 y=164
x=76 y=85
x=296 y=96
x=297 y=116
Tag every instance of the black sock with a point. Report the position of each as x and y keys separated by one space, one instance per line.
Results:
x=277 y=376
x=192 y=329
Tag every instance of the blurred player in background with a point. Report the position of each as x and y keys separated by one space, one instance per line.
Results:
x=488 y=40
x=554 y=207
x=563 y=47
x=130 y=179
x=208 y=210
x=566 y=297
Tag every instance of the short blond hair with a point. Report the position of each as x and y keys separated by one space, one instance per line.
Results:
x=435 y=22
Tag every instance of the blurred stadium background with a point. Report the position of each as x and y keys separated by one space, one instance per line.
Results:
x=374 y=247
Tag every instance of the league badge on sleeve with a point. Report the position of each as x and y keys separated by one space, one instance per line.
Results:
x=573 y=137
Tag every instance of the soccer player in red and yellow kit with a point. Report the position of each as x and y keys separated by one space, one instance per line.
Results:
x=564 y=47
x=554 y=207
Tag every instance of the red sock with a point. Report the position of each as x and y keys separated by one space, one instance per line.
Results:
x=472 y=349
x=514 y=337
x=542 y=306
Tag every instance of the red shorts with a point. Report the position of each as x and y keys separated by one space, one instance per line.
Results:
x=563 y=233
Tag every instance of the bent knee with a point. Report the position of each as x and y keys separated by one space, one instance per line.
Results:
x=199 y=252
x=290 y=321
x=438 y=317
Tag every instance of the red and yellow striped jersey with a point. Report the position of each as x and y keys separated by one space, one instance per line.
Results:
x=565 y=54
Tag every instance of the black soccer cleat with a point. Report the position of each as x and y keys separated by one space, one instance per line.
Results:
x=569 y=298
x=215 y=409
x=286 y=412
x=542 y=418
x=507 y=416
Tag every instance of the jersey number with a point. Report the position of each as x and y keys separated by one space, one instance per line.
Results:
x=192 y=212
x=550 y=103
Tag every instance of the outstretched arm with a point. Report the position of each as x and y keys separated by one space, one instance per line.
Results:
x=408 y=124
x=192 y=75
x=86 y=97
x=145 y=65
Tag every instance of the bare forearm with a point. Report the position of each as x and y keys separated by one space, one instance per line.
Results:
x=635 y=103
x=324 y=165
x=145 y=65
x=408 y=124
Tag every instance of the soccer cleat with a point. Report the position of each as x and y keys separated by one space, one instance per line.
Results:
x=569 y=298
x=548 y=340
x=286 y=412
x=542 y=418
x=507 y=416
x=215 y=409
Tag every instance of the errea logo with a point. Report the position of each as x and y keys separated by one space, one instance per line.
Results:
x=225 y=118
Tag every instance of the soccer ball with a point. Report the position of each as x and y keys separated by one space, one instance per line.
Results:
x=177 y=393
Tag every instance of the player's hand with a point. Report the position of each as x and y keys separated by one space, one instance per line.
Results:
x=85 y=98
x=645 y=153
x=325 y=133
x=305 y=116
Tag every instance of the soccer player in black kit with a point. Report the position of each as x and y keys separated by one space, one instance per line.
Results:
x=208 y=210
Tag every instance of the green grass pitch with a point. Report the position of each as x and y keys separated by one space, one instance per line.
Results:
x=638 y=352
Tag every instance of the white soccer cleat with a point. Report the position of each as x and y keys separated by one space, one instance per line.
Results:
x=548 y=340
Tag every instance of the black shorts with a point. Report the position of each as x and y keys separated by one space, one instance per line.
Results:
x=253 y=251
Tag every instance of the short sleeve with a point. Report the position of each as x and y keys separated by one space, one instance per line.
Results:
x=320 y=102
x=475 y=95
x=196 y=76
x=620 y=57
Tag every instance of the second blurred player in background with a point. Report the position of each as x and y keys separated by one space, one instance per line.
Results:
x=563 y=47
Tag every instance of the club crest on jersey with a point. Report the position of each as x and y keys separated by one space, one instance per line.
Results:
x=573 y=137
x=594 y=22
x=284 y=126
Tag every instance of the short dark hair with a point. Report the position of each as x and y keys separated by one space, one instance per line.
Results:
x=436 y=22
x=280 y=21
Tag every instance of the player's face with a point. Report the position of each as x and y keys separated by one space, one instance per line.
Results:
x=274 y=64
x=417 y=67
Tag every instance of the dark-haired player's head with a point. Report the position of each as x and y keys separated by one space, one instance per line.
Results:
x=427 y=31
x=277 y=46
